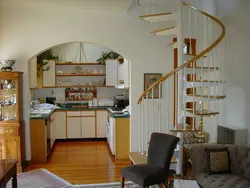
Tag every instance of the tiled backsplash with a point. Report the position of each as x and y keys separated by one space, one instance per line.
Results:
x=59 y=93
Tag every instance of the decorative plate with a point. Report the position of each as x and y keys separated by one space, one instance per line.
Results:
x=77 y=69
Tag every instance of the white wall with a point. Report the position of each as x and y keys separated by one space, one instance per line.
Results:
x=71 y=52
x=235 y=14
x=27 y=28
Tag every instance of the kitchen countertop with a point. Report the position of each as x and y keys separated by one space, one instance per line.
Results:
x=69 y=108
x=113 y=115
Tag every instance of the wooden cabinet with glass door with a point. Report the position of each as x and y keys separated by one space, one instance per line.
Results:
x=11 y=117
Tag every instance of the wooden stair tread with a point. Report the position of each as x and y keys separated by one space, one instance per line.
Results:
x=166 y=29
x=204 y=113
x=204 y=68
x=174 y=44
x=180 y=128
x=137 y=158
x=154 y=15
x=184 y=130
x=212 y=81
x=211 y=96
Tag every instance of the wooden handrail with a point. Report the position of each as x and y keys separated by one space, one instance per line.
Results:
x=194 y=58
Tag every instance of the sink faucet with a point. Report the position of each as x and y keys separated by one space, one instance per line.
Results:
x=33 y=103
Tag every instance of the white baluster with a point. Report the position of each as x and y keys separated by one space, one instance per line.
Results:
x=139 y=128
x=142 y=128
x=146 y=134
x=153 y=110
x=160 y=101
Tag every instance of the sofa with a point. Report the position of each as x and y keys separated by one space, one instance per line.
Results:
x=239 y=175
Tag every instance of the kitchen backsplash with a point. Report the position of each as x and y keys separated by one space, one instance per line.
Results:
x=59 y=93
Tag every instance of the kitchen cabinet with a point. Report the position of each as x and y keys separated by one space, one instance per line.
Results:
x=81 y=124
x=49 y=77
x=88 y=127
x=74 y=127
x=119 y=137
x=123 y=73
x=111 y=72
x=60 y=121
x=33 y=72
x=38 y=140
x=101 y=118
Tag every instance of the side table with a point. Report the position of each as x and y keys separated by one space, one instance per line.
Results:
x=8 y=170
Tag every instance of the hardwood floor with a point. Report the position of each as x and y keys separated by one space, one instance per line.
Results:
x=83 y=162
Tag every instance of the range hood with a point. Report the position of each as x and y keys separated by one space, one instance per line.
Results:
x=121 y=86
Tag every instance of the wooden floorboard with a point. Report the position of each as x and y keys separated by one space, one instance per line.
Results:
x=83 y=162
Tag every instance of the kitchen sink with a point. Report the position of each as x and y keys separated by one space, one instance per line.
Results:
x=35 y=115
x=41 y=111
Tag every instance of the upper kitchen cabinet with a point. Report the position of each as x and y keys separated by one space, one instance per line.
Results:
x=111 y=72
x=49 y=76
x=33 y=72
x=123 y=74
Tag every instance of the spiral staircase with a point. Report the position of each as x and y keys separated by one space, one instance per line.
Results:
x=183 y=101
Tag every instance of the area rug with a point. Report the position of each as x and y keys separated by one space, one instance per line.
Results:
x=108 y=185
x=40 y=178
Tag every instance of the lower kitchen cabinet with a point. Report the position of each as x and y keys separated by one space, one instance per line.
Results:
x=74 y=127
x=88 y=127
x=101 y=119
x=39 y=140
x=60 y=125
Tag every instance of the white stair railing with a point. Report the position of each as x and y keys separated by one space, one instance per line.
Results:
x=199 y=76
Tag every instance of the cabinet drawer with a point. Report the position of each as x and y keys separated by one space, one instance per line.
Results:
x=87 y=113
x=73 y=113
x=10 y=131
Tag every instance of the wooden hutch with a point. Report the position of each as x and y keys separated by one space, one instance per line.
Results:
x=12 y=143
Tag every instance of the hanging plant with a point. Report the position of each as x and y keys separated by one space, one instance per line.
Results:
x=107 y=55
x=43 y=59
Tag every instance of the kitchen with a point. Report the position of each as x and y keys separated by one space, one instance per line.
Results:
x=89 y=100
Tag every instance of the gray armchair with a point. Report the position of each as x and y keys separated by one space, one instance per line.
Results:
x=160 y=152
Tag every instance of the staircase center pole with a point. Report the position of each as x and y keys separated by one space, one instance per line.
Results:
x=180 y=40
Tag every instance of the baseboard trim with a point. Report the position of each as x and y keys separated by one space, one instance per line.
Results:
x=81 y=139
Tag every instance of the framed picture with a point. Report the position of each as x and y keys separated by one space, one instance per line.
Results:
x=150 y=79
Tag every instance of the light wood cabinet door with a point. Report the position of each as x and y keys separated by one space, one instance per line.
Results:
x=33 y=72
x=60 y=121
x=101 y=118
x=74 y=127
x=88 y=127
x=111 y=72
x=10 y=148
x=49 y=77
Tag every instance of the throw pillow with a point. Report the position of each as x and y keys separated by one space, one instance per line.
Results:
x=217 y=161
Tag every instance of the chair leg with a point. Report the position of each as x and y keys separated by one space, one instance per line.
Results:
x=122 y=182
x=166 y=185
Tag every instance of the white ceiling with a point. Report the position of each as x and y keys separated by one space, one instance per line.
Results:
x=119 y=5
x=112 y=5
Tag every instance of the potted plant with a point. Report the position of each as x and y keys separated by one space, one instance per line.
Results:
x=107 y=55
x=43 y=59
